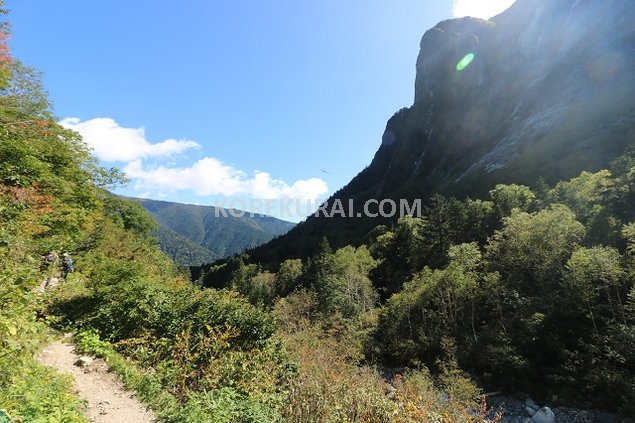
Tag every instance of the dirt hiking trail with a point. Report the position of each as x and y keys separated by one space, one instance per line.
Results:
x=108 y=401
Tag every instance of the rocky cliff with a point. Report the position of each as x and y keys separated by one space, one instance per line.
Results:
x=544 y=90
x=550 y=91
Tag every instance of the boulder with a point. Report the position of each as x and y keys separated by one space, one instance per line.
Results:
x=52 y=282
x=530 y=411
x=544 y=415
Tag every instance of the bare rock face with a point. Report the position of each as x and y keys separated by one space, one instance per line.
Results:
x=442 y=48
x=544 y=90
x=549 y=91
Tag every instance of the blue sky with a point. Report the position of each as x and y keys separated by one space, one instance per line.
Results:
x=203 y=101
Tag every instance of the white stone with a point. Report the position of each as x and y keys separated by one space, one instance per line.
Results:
x=52 y=282
x=544 y=415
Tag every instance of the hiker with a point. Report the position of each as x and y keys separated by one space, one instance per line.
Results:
x=50 y=261
x=67 y=265
x=50 y=266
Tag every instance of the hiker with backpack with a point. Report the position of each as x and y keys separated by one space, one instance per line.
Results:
x=50 y=261
x=67 y=265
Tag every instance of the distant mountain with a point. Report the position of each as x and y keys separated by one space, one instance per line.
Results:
x=193 y=235
x=544 y=90
x=182 y=249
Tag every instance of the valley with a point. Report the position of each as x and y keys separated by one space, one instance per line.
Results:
x=510 y=298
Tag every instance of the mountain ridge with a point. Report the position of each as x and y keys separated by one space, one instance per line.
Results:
x=194 y=234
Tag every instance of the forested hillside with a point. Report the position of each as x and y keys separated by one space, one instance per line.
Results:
x=193 y=235
x=528 y=291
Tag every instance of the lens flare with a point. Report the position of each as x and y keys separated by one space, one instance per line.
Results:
x=465 y=61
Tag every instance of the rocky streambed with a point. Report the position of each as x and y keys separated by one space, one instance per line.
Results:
x=518 y=411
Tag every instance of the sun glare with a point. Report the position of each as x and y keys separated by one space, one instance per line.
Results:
x=465 y=62
x=484 y=9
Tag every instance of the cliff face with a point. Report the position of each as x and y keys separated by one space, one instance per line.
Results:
x=550 y=91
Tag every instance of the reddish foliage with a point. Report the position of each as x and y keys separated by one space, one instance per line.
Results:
x=5 y=53
x=27 y=195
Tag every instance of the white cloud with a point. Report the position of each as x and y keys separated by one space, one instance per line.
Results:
x=484 y=9
x=263 y=186
x=210 y=176
x=112 y=142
